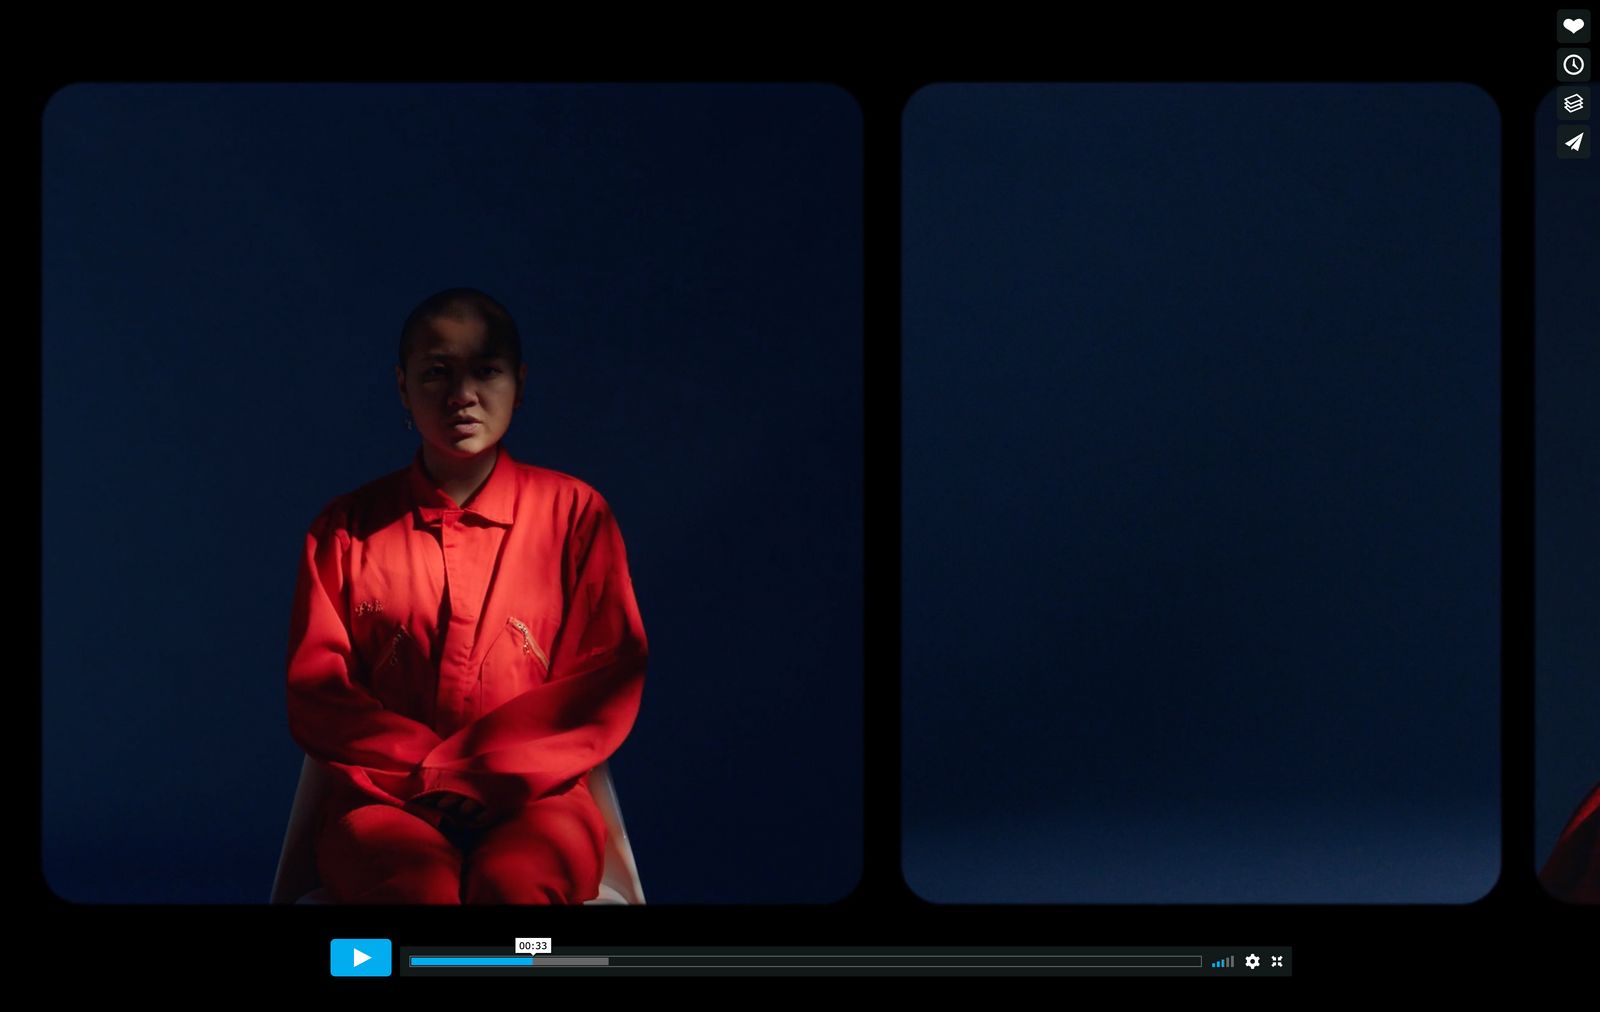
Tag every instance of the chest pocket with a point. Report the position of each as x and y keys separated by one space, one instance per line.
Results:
x=514 y=663
x=398 y=675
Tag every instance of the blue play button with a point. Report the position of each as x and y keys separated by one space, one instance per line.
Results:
x=359 y=957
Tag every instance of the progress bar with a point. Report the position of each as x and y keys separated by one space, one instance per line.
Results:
x=1239 y=961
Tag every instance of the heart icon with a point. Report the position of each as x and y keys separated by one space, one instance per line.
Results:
x=1573 y=25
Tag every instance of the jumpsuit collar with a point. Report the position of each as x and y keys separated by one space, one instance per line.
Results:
x=492 y=503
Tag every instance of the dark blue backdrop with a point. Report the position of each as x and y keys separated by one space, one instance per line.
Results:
x=1201 y=493
x=225 y=272
x=1568 y=480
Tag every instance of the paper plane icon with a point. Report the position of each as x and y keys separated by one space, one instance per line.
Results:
x=359 y=957
x=1576 y=142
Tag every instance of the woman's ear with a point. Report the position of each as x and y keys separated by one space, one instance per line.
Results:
x=400 y=382
x=522 y=382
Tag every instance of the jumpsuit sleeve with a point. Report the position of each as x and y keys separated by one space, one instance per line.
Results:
x=540 y=742
x=331 y=716
x=1573 y=871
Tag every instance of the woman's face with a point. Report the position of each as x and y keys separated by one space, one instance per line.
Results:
x=459 y=389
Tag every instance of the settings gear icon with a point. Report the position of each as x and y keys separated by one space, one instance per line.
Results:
x=1252 y=961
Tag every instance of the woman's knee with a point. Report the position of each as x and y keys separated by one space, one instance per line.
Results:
x=552 y=853
x=542 y=878
x=378 y=853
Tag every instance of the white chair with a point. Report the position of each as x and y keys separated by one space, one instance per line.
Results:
x=296 y=880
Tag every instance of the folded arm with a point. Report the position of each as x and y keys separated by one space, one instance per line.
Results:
x=542 y=741
x=333 y=717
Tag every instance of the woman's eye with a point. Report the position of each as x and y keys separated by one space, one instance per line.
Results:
x=489 y=370
x=433 y=370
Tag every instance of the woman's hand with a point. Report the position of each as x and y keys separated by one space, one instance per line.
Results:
x=458 y=808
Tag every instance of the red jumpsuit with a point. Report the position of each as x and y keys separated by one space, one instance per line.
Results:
x=1573 y=871
x=493 y=650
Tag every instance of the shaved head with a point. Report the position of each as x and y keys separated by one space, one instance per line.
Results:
x=464 y=304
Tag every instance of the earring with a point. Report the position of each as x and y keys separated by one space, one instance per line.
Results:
x=409 y=426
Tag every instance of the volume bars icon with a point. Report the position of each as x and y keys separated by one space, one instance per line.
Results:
x=1573 y=102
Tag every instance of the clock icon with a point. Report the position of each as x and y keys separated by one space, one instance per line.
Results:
x=1573 y=64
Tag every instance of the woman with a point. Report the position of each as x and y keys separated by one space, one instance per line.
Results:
x=1572 y=872
x=465 y=646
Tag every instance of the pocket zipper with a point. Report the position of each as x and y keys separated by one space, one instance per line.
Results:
x=391 y=652
x=529 y=644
